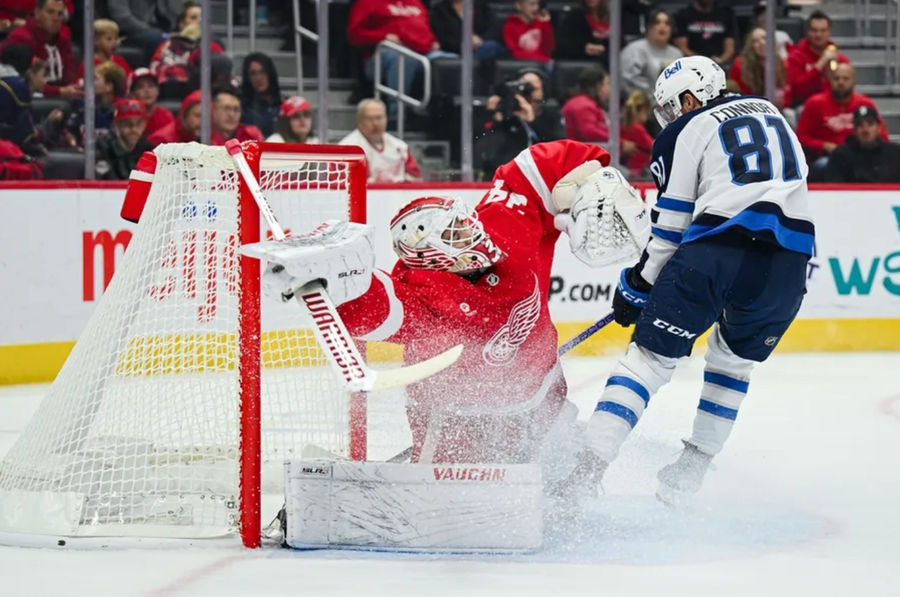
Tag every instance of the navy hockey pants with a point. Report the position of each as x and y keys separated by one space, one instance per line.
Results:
x=752 y=288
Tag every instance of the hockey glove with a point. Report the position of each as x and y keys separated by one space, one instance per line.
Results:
x=608 y=222
x=631 y=296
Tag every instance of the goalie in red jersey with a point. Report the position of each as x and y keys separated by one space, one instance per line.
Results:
x=492 y=433
x=480 y=277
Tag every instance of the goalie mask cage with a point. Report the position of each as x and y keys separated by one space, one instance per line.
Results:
x=187 y=390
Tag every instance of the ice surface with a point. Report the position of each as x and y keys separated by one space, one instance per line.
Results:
x=805 y=499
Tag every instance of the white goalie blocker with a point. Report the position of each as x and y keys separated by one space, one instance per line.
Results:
x=413 y=507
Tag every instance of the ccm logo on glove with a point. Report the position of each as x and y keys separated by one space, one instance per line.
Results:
x=638 y=300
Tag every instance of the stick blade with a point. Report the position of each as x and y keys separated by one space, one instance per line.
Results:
x=385 y=379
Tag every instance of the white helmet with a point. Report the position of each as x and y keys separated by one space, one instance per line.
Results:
x=698 y=74
x=443 y=234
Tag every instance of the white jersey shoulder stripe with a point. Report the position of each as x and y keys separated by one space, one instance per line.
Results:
x=528 y=167
x=394 y=319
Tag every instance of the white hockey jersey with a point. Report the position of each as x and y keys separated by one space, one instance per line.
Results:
x=734 y=162
x=392 y=162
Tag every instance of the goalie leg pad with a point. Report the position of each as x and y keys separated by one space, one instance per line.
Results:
x=427 y=507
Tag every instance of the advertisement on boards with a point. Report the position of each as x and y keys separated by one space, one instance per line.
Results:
x=60 y=247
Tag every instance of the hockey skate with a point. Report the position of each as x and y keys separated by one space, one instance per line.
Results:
x=584 y=480
x=566 y=498
x=679 y=481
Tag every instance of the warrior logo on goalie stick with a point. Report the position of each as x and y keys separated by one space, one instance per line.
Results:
x=503 y=347
x=351 y=368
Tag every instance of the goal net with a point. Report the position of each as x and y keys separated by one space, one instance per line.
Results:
x=188 y=390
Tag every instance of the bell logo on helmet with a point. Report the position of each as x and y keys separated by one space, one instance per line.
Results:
x=672 y=69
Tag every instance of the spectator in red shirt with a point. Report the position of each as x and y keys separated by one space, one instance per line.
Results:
x=810 y=61
x=226 y=119
x=144 y=87
x=171 y=63
x=51 y=42
x=749 y=70
x=637 y=144
x=827 y=119
x=585 y=118
x=106 y=40
x=13 y=13
x=186 y=126
x=528 y=34
x=403 y=22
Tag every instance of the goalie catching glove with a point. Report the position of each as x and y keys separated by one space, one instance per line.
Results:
x=607 y=222
x=339 y=254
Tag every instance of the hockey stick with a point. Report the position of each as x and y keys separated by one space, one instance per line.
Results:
x=328 y=328
x=599 y=325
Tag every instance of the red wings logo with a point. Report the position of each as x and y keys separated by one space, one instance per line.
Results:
x=502 y=348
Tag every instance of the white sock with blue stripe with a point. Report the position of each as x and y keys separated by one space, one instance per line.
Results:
x=637 y=377
x=725 y=383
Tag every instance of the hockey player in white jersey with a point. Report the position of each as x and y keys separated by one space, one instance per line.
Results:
x=730 y=239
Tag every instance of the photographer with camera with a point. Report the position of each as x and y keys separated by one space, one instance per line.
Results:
x=517 y=117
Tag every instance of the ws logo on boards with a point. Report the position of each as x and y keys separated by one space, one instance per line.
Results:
x=862 y=273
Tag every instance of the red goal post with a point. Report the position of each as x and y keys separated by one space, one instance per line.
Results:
x=187 y=389
x=344 y=171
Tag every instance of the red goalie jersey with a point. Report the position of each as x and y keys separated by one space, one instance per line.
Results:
x=499 y=399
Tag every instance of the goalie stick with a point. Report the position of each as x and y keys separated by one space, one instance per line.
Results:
x=328 y=327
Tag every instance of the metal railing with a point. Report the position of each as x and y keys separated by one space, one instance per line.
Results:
x=299 y=33
x=863 y=16
x=402 y=98
x=892 y=44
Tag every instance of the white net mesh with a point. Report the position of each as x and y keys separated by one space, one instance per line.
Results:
x=140 y=433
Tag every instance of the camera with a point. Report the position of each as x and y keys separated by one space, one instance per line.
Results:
x=508 y=102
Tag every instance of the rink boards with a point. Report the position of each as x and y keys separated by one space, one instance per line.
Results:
x=60 y=243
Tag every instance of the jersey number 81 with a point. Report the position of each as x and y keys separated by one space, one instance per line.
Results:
x=749 y=156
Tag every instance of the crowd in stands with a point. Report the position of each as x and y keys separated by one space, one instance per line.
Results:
x=554 y=82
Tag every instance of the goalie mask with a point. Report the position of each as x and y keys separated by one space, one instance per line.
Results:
x=442 y=234
x=699 y=75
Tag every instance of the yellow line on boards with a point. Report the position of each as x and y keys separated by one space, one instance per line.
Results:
x=33 y=363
